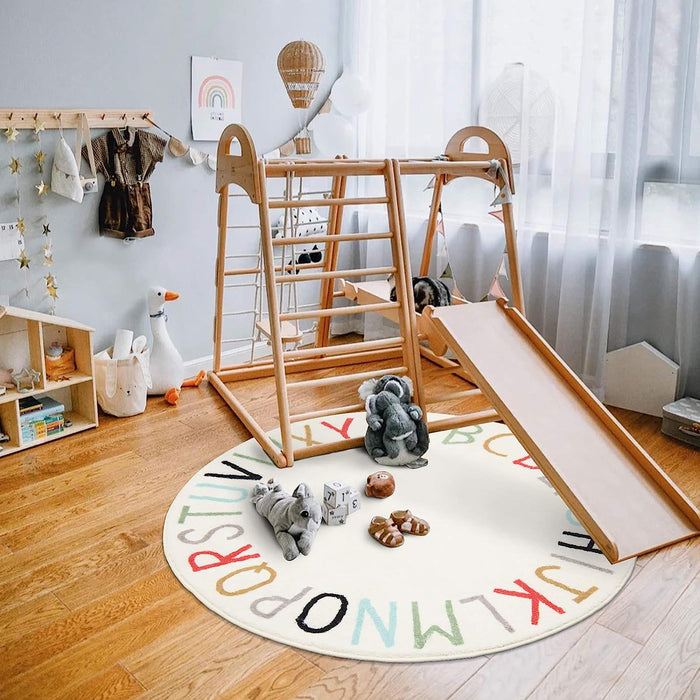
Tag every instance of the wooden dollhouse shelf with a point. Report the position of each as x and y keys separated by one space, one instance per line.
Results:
x=23 y=336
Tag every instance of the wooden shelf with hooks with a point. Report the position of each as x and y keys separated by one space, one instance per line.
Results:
x=68 y=117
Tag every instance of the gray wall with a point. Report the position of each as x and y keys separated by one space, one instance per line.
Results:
x=136 y=54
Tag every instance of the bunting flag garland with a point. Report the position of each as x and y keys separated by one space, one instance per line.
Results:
x=504 y=196
x=495 y=288
x=443 y=257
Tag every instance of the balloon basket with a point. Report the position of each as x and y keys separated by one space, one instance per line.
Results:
x=302 y=145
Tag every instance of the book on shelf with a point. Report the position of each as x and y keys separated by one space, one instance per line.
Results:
x=43 y=428
x=49 y=407
x=28 y=404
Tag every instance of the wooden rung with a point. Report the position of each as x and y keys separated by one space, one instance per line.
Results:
x=341 y=201
x=464 y=420
x=332 y=237
x=455 y=395
x=324 y=168
x=335 y=274
x=278 y=268
x=290 y=333
x=354 y=408
x=343 y=348
x=445 y=167
x=339 y=311
x=328 y=448
x=326 y=381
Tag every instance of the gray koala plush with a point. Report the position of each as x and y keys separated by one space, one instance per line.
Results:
x=295 y=519
x=396 y=433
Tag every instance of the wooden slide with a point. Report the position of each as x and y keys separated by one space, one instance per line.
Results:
x=618 y=493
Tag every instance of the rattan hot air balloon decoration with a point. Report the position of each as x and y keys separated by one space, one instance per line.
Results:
x=301 y=65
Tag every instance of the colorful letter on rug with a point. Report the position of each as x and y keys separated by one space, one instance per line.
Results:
x=504 y=563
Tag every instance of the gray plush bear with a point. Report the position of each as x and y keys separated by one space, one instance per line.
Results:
x=396 y=433
x=295 y=519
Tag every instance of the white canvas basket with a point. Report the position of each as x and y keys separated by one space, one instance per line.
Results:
x=122 y=385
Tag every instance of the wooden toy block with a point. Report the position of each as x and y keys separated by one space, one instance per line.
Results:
x=336 y=493
x=334 y=516
x=353 y=503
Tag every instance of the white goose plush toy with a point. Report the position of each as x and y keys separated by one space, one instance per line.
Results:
x=167 y=367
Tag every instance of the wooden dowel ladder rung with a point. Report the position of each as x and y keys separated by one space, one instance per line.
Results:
x=331 y=237
x=343 y=348
x=278 y=268
x=353 y=408
x=453 y=422
x=327 y=448
x=328 y=381
x=339 y=311
x=454 y=396
x=335 y=274
x=339 y=201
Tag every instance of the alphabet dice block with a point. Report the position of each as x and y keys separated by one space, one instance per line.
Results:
x=334 y=516
x=336 y=493
x=353 y=501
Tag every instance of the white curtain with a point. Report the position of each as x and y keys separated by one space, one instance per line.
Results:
x=600 y=105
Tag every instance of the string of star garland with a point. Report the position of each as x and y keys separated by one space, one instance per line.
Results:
x=15 y=166
x=41 y=191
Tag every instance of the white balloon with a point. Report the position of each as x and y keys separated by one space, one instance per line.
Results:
x=333 y=135
x=350 y=95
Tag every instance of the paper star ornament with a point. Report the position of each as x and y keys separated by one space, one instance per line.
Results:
x=20 y=226
x=42 y=188
x=11 y=133
x=39 y=157
x=46 y=230
x=23 y=260
x=14 y=166
x=38 y=126
x=52 y=291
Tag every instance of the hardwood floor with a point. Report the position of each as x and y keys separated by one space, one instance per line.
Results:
x=90 y=608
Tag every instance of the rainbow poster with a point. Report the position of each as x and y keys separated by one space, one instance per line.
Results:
x=216 y=96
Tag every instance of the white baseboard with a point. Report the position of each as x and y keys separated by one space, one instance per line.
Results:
x=239 y=355
x=232 y=357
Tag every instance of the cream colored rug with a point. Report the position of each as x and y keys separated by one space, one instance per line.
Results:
x=505 y=562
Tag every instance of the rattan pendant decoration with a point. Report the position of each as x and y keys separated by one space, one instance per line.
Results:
x=301 y=65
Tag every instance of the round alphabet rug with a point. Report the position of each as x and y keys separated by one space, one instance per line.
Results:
x=504 y=562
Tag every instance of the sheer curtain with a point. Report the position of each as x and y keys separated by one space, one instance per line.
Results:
x=599 y=103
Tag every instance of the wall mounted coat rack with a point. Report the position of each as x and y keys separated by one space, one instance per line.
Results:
x=68 y=118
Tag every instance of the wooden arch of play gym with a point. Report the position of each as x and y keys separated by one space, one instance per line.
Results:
x=281 y=327
x=583 y=450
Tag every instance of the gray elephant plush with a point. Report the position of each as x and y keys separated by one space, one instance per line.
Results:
x=295 y=519
x=396 y=433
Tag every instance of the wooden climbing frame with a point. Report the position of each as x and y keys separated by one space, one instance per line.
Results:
x=296 y=354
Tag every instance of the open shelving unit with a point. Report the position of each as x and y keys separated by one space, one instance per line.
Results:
x=24 y=335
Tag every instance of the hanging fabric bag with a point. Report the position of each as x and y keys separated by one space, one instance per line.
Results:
x=88 y=184
x=65 y=175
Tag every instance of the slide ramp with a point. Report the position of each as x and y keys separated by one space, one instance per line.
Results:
x=617 y=492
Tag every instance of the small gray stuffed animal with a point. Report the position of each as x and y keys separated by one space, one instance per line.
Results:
x=295 y=519
x=396 y=433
